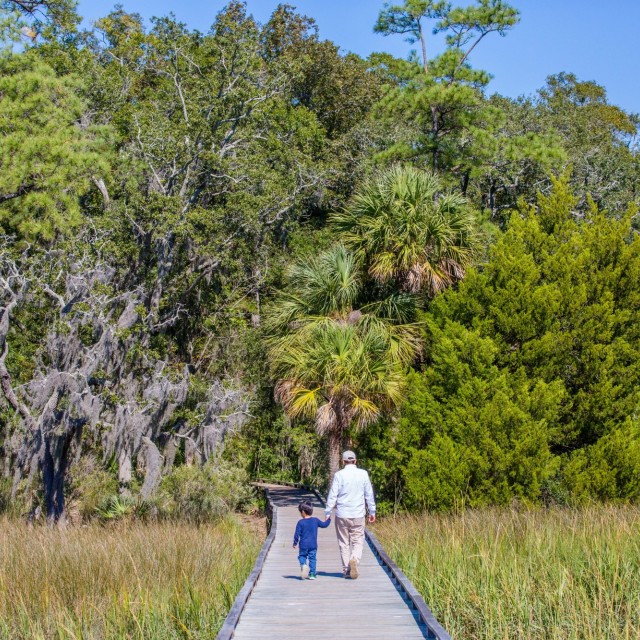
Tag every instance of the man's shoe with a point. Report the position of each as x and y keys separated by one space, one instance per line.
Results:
x=304 y=572
x=312 y=576
x=353 y=568
x=346 y=572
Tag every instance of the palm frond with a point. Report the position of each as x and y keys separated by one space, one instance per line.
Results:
x=401 y=223
x=364 y=410
x=303 y=402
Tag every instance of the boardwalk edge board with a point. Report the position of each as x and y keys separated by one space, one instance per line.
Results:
x=435 y=629
x=231 y=621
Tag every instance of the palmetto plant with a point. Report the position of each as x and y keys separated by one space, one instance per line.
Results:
x=404 y=226
x=119 y=507
x=337 y=359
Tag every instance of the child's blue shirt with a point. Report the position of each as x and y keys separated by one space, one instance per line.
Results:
x=307 y=532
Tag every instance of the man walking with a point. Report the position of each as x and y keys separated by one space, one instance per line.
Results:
x=350 y=491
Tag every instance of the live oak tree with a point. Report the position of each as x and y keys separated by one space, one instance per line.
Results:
x=202 y=169
x=512 y=158
x=208 y=126
x=599 y=140
x=93 y=382
x=569 y=123
x=339 y=89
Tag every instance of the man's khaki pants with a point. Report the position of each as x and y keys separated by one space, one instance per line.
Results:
x=350 y=532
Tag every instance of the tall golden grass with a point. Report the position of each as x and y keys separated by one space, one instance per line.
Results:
x=133 y=581
x=555 y=574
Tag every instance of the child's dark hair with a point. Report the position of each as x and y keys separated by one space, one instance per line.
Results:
x=306 y=508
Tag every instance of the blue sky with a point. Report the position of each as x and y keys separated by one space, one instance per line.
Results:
x=593 y=39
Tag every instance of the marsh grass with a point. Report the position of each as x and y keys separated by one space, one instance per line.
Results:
x=555 y=574
x=154 y=580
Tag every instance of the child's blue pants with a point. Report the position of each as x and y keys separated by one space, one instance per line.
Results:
x=303 y=554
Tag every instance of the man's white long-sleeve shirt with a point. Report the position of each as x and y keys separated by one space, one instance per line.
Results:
x=350 y=490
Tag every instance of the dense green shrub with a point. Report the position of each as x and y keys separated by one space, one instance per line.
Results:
x=608 y=469
x=203 y=493
x=123 y=507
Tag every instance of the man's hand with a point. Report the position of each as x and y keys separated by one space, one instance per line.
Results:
x=327 y=516
x=372 y=519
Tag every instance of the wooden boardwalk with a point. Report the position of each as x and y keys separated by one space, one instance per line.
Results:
x=282 y=606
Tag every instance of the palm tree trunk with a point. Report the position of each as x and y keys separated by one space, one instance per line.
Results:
x=337 y=437
x=335 y=446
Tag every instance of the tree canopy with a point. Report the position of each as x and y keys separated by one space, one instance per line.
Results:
x=47 y=156
x=531 y=372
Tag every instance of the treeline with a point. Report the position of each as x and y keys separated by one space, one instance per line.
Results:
x=223 y=251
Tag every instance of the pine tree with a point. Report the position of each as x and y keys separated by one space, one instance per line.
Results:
x=48 y=157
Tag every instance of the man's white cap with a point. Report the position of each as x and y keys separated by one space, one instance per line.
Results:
x=348 y=456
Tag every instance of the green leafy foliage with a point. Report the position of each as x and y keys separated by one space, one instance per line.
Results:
x=189 y=170
x=121 y=507
x=609 y=469
x=600 y=140
x=89 y=488
x=337 y=88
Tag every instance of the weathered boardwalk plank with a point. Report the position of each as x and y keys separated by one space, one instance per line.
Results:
x=281 y=606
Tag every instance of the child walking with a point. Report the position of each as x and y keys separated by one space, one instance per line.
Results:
x=307 y=535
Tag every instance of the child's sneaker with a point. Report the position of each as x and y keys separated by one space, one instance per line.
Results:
x=312 y=576
x=304 y=571
x=353 y=568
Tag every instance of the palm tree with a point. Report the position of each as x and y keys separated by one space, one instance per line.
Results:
x=405 y=227
x=335 y=361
